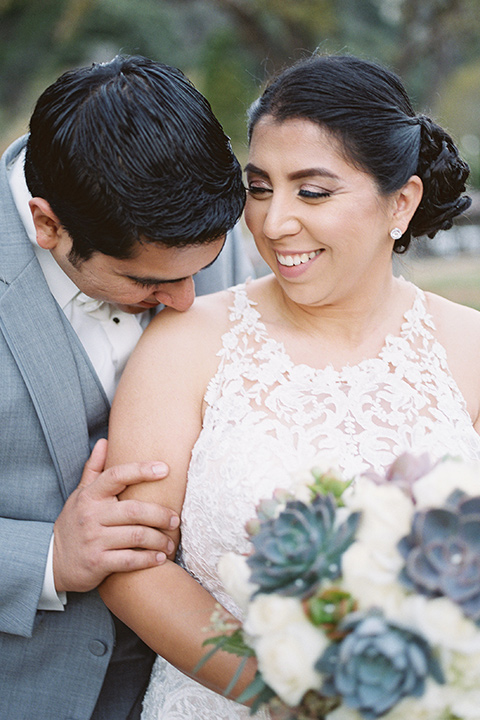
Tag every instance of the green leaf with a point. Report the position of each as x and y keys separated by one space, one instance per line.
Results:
x=256 y=687
x=233 y=681
x=206 y=658
x=263 y=697
x=329 y=485
x=234 y=644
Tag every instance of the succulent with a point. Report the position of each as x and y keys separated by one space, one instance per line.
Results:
x=328 y=608
x=376 y=665
x=404 y=472
x=442 y=553
x=295 y=551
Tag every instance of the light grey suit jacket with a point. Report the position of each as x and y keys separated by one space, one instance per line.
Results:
x=52 y=410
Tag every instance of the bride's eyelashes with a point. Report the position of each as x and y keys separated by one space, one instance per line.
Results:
x=259 y=190
x=314 y=194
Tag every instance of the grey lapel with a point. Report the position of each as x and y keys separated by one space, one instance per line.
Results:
x=48 y=354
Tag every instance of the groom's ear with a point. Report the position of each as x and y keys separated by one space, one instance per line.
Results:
x=47 y=225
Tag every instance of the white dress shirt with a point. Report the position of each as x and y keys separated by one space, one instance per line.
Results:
x=107 y=334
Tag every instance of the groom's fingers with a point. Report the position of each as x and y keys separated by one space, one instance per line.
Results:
x=99 y=485
x=97 y=534
x=87 y=547
x=95 y=463
x=141 y=513
x=120 y=561
x=113 y=481
x=118 y=477
x=139 y=538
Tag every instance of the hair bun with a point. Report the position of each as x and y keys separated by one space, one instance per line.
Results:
x=444 y=175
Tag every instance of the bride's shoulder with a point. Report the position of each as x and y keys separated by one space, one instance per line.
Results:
x=178 y=350
x=208 y=313
x=199 y=329
x=457 y=328
x=454 y=322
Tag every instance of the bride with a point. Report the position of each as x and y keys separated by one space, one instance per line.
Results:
x=330 y=353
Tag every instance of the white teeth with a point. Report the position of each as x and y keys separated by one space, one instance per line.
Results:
x=290 y=260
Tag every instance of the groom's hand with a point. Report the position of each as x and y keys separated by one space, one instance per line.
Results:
x=96 y=534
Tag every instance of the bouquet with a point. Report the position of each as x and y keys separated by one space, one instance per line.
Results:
x=362 y=600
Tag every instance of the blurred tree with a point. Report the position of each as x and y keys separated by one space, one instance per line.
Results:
x=262 y=36
x=275 y=31
x=229 y=48
x=435 y=38
x=35 y=42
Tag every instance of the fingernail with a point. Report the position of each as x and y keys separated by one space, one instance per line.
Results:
x=170 y=546
x=174 y=522
x=160 y=557
x=160 y=469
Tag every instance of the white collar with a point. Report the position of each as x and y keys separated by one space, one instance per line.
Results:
x=62 y=288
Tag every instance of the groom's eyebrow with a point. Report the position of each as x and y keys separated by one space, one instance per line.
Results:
x=147 y=281
x=151 y=281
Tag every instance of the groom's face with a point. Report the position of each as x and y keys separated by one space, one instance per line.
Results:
x=156 y=274
x=153 y=275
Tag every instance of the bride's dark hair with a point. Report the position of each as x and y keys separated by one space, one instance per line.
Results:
x=366 y=107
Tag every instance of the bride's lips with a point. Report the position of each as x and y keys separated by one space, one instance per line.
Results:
x=294 y=264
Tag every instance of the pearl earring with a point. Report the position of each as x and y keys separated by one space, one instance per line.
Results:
x=396 y=233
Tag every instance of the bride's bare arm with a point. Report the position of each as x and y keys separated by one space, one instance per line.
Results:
x=458 y=329
x=157 y=415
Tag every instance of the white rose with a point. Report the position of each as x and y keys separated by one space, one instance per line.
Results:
x=442 y=623
x=370 y=566
x=372 y=583
x=286 y=660
x=430 y=706
x=433 y=489
x=343 y=713
x=235 y=576
x=464 y=671
x=267 y=614
x=386 y=513
x=467 y=705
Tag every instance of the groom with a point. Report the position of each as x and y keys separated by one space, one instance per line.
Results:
x=128 y=191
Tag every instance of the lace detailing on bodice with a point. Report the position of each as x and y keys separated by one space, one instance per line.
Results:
x=267 y=419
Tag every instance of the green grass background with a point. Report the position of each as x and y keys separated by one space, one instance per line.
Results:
x=454 y=277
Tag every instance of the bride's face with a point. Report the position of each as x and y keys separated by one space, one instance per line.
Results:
x=318 y=222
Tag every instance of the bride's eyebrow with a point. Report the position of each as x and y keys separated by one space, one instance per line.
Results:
x=298 y=174
x=313 y=172
x=250 y=167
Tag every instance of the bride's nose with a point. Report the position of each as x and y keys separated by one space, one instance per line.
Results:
x=280 y=219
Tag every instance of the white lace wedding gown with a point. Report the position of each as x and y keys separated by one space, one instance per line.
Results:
x=267 y=418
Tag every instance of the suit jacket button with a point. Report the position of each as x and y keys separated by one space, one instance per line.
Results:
x=97 y=647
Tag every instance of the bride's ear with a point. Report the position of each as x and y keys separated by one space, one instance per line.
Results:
x=407 y=199
x=47 y=224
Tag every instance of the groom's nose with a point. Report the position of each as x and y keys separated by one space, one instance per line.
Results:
x=177 y=295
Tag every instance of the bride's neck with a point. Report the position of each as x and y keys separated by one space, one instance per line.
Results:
x=354 y=321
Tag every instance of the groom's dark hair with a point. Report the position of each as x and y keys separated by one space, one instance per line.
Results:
x=129 y=151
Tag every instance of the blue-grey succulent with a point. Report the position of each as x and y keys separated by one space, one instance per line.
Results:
x=303 y=545
x=376 y=665
x=442 y=553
